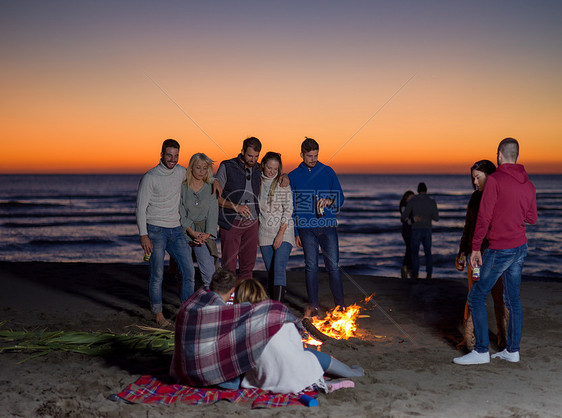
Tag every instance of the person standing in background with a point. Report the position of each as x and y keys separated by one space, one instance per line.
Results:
x=423 y=209
x=406 y=270
x=158 y=220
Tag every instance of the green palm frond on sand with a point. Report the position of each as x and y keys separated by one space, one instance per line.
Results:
x=153 y=341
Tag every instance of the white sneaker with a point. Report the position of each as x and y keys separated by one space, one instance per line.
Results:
x=506 y=355
x=474 y=357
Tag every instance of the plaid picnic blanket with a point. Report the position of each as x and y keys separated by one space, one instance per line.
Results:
x=215 y=342
x=148 y=389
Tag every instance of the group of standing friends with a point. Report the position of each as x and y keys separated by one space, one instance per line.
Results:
x=493 y=248
x=248 y=205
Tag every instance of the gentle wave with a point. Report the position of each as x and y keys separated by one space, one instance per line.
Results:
x=58 y=224
x=91 y=218
x=69 y=214
x=91 y=241
x=11 y=205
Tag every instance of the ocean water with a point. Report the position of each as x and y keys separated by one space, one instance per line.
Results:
x=91 y=218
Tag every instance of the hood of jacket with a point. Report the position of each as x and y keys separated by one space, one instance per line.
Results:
x=517 y=171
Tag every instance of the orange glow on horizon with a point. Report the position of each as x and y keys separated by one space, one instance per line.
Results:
x=425 y=89
x=401 y=139
x=110 y=166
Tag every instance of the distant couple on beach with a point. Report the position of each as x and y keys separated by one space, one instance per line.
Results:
x=178 y=212
x=417 y=213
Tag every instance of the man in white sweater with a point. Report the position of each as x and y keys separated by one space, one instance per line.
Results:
x=158 y=220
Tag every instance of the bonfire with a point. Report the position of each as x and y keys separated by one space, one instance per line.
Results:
x=338 y=323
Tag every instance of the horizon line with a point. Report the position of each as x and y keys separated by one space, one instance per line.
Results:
x=107 y=173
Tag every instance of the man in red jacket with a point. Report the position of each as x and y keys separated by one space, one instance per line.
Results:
x=508 y=202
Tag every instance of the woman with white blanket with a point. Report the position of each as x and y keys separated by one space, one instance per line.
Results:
x=285 y=366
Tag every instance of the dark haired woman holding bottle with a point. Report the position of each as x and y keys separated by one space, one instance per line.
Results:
x=479 y=172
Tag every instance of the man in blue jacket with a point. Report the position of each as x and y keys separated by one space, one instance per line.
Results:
x=317 y=198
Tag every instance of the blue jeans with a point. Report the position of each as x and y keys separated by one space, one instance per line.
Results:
x=327 y=239
x=172 y=240
x=323 y=358
x=422 y=236
x=279 y=258
x=495 y=263
x=206 y=263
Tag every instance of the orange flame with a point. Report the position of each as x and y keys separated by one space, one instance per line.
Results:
x=368 y=298
x=338 y=324
x=313 y=342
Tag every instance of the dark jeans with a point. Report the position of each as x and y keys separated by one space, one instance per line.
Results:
x=422 y=236
x=276 y=262
x=407 y=236
x=172 y=240
x=327 y=239
x=507 y=264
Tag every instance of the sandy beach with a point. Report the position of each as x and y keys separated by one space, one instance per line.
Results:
x=406 y=346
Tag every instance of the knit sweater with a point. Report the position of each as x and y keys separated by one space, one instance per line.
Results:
x=201 y=206
x=273 y=214
x=158 y=197
x=508 y=202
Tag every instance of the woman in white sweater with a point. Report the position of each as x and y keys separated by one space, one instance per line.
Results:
x=276 y=236
x=285 y=366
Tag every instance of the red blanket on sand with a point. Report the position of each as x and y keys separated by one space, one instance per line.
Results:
x=148 y=389
x=215 y=342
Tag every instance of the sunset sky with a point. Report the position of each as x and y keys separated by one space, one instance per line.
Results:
x=384 y=86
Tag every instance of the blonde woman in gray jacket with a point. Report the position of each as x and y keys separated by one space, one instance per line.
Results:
x=199 y=210
x=276 y=236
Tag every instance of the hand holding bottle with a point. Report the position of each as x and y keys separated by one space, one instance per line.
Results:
x=460 y=262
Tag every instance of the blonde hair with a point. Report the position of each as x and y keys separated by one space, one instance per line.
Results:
x=203 y=158
x=249 y=290
x=277 y=157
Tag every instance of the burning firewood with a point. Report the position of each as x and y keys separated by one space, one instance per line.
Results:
x=339 y=324
x=314 y=332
